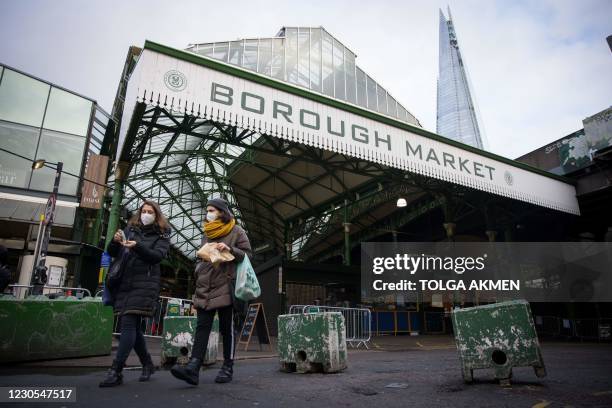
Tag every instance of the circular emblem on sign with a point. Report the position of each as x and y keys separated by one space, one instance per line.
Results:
x=508 y=177
x=175 y=80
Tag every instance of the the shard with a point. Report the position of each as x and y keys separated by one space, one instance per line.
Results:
x=456 y=118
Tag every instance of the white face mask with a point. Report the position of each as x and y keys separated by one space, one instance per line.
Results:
x=211 y=216
x=147 y=218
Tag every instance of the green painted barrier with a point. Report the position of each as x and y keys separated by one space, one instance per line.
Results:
x=498 y=336
x=312 y=342
x=177 y=341
x=37 y=328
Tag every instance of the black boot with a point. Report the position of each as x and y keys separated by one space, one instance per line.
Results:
x=189 y=372
x=226 y=372
x=114 y=376
x=148 y=368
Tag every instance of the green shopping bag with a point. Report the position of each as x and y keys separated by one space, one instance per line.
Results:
x=247 y=286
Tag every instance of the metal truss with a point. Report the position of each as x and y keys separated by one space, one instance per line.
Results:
x=181 y=161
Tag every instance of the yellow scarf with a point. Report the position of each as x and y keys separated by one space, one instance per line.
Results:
x=216 y=228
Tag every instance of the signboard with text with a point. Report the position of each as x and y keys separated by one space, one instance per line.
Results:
x=186 y=83
x=93 y=186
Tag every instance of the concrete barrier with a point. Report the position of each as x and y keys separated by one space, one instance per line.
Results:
x=312 y=342
x=38 y=328
x=178 y=337
x=498 y=336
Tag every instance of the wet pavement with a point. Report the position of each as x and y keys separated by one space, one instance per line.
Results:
x=424 y=372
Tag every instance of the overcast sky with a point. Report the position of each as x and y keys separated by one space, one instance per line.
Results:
x=537 y=67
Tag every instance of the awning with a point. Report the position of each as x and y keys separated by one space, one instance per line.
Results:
x=180 y=107
x=189 y=83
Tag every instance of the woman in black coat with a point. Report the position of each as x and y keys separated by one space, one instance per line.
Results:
x=145 y=246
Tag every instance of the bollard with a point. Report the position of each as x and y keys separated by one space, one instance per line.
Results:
x=312 y=342
x=177 y=341
x=498 y=336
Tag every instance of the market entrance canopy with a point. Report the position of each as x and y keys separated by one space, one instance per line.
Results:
x=196 y=85
x=194 y=127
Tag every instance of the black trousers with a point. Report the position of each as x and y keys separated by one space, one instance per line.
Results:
x=131 y=338
x=204 y=327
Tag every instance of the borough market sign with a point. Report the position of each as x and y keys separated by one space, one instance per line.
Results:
x=188 y=83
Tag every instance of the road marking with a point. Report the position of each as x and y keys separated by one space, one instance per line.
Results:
x=600 y=393
x=440 y=347
x=542 y=404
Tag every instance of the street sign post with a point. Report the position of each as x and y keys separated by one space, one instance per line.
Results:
x=39 y=272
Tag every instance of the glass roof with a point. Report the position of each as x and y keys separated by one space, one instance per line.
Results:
x=180 y=172
x=312 y=58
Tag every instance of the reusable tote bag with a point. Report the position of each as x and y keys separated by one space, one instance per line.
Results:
x=247 y=286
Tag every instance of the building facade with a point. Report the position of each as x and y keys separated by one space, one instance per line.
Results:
x=41 y=120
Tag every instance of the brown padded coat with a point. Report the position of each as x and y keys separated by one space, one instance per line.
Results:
x=213 y=284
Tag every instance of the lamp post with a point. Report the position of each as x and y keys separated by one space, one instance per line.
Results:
x=39 y=269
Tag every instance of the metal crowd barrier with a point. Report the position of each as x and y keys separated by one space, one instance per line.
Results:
x=591 y=329
x=153 y=326
x=549 y=326
x=357 y=322
x=21 y=291
x=581 y=328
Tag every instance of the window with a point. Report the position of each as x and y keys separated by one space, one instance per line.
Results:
x=349 y=64
x=328 y=64
x=22 y=140
x=339 y=71
x=291 y=55
x=205 y=49
x=401 y=113
x=54 y=147
x=371 y=86
x=391 y=106
x=220 y=51
x=315 y=59
x=382 y=99
x=22 y=99
x=67 y=113
x=278 y=58
x=304 y=57
x=361 y=88
x=235 y=52
x=250 y=55
x=265 y=56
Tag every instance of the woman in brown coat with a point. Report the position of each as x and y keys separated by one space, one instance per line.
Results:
x=213 y=292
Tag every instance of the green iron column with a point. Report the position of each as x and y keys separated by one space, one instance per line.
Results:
x=115 y=210
x=286 y=243
x=96 y=231
x=347 y=237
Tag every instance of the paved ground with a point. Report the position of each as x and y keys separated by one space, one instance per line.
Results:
x=396 y=372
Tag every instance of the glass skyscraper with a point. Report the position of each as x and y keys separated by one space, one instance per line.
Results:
x=456 y=117
x=312 y=58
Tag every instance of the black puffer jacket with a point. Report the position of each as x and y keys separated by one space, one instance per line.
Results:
x=138 y=292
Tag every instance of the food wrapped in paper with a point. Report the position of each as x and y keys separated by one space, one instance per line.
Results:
x=210 y=253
